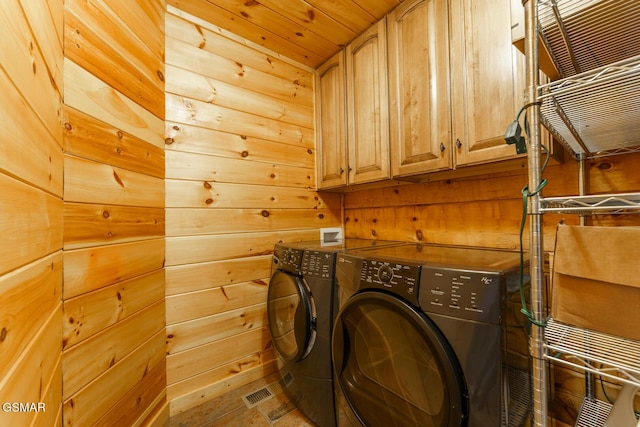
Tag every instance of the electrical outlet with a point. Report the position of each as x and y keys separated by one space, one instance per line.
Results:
x=331 y=235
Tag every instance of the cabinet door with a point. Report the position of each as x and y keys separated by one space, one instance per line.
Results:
x=419 y=87
x=368 y=106
x=331 y=141
x=487 y=87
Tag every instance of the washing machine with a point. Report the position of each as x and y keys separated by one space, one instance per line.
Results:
x=300 y=310
x=419 y=336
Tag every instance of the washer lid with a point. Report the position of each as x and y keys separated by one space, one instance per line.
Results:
x=292 y=316
x=394 y=367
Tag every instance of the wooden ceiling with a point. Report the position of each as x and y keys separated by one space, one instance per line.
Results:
x=307 y=31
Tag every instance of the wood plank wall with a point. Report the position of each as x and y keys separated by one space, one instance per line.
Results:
x=240 y=177
x=31 y=210
x=237 y=154
x=113 y=340
x=486 y=211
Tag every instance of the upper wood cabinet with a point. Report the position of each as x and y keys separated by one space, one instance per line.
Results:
x=352 y=113
x=454 y=83
x=419 y=87
x=331 y=137
x=487 y=79
x=368 y=106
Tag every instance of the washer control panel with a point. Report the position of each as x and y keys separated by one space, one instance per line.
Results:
x=469 y=295
x=318 y=264
x=287 y=259
x=399 y=278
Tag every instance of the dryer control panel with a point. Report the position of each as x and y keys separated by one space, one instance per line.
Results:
x=463 y=294
x=318 y=264
x=399 y=278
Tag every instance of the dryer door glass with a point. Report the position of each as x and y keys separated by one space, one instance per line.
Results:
x=394 y=367
x=291 y=315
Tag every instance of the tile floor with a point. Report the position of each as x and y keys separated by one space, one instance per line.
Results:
x=231 y=410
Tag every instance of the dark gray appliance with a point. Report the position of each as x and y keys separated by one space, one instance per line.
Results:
x=419 y=337
x=300 y=309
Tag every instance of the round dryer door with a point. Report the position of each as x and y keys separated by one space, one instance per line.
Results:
x=394 y=367
x=292 y=316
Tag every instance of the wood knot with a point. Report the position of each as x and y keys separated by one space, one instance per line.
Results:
x=160 y=75
x=105 y=214
x=118 y=179
x=68 y=126
x=206 y=185
x=245 y=153
x=169 y=141
x=265 y=213
x=605 y=166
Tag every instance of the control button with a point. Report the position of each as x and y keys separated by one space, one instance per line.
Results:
x=385 y=273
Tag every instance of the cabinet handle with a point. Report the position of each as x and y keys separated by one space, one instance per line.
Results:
x=442 y=147
x=341 y=171
x=458 y=143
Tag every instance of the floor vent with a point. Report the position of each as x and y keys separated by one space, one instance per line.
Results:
x=258 y=396
x=267 y=392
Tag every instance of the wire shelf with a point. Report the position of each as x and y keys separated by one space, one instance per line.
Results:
x=623 y=203
x=593 y=413
x=596 y=112
x=518 y=392
x=583 y=35
x=613 y=357
x=595 y=45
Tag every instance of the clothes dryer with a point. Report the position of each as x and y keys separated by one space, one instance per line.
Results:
x=418 y=339
x=300 y=309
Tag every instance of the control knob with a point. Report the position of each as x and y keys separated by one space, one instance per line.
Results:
x=385 y=273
